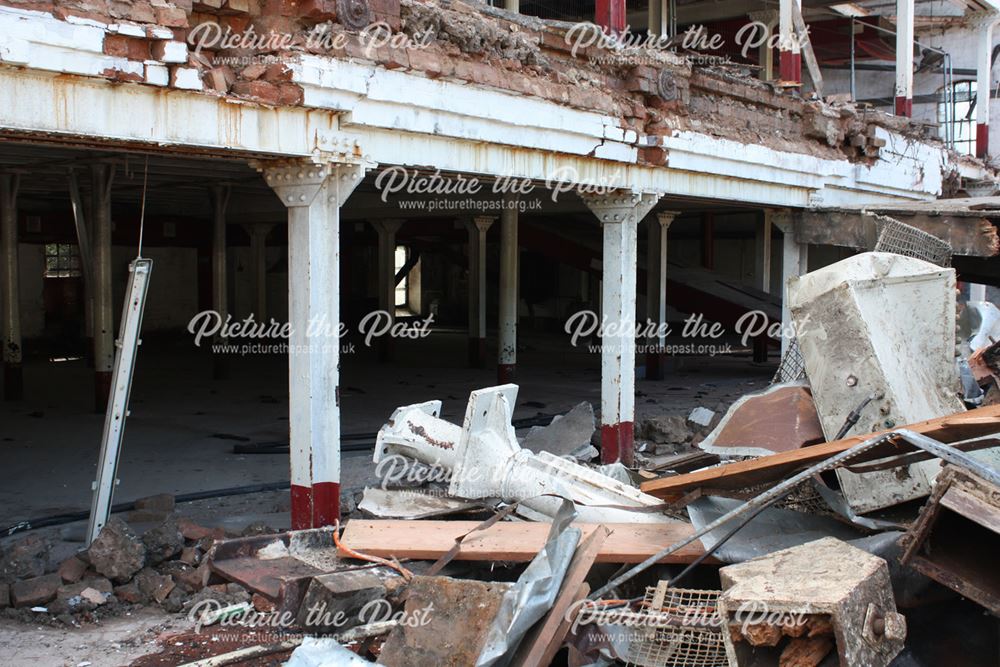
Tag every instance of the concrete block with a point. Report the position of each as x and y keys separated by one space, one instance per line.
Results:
x=333 y=602
x=447 y=622
x=117 y=553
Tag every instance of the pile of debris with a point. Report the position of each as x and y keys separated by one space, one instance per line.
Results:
x=827 y=520
x=167 y=566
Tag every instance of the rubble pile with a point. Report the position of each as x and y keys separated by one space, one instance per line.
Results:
x=167 y=566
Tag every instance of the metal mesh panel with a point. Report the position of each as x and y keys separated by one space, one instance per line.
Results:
x=792 y=366
x=682 y=628
x=902 y=239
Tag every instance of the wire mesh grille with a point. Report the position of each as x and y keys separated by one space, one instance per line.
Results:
x=792 y=366
x=682 y=628
x=902 y=239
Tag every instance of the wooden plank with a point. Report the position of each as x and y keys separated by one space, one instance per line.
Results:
x=972 y=424
x=539 y=647
x=517 y=542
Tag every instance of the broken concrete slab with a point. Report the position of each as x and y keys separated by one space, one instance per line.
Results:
x=666 y=429
x=163 y=542
x=117 y=552
x=411 y=504
x=339 y=601
x=450 y=619
x=701 y=417
x=779 y=419
x=25 y=558
x=565 y=433
x=843 y=585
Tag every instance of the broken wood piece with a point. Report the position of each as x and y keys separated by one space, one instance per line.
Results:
x=542 y=642
x=806 y=651
x=961 y=426
x=513 y=542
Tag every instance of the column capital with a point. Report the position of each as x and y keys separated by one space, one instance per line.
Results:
x=480 y=223
x=768 y=17
x=666 y=217
x=783 y=219
x=297 y=182
x=982 y=20
x=618 y=206
x=387 y=225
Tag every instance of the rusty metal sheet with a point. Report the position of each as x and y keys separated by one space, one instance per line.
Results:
x=780 y=419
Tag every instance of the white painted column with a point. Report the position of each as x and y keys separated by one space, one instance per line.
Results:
x=512 y=5
x=258 y=257
x=789 y=56
x=768 y=18
x=509 y=273
x=220 y=288
x=794 y=262
x=977 y=292
x=102 y=177
x=762 y=263
x=658 y=18
x=314 y=194
x=10 y=301
x=904 y=57
x=656 y=289
x=477 y=229
x=386 y=251
x=984 y=79
x=619 y=214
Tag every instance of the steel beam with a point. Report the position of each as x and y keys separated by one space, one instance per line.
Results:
x=619 y=213
x=656 y=290
x=904 y=57
x=386 y=229
x=314 y=194
x=220 y=288
x=13 y=378
x=794 y=263
x=984 y=63
x=477 y=228
x=509 y=290
x=102 y=177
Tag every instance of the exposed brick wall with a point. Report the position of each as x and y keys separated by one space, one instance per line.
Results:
x=656 y=93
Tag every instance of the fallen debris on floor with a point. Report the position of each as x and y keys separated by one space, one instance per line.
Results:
x=771 y=606
x=957 y=536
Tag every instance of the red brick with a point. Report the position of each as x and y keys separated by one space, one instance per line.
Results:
x=172 y=17
x=71 y=570
x=318 y=10
x=264 y=91
x=424 y=60
x=220 y=79
x=290 y=94
x=116 y=45
x=35 y=591
x=237 y=23
x=253 y=72
x=278 y=73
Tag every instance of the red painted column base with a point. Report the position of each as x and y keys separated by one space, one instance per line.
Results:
x=13 y=382
x=102 y=390
x=904 y=106
x=982 y=140
x=315 y=506
x=506 y=373
x=790 y=66
x=477 y=352
x=618 y=443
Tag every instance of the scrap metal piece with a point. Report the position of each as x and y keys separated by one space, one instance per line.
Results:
x=680 y=627
x=957 y=535
x=881 y=324
x=483 y=459
x=778 y=419
x=823 y=583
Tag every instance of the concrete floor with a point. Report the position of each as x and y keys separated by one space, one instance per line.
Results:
x=49 y=443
